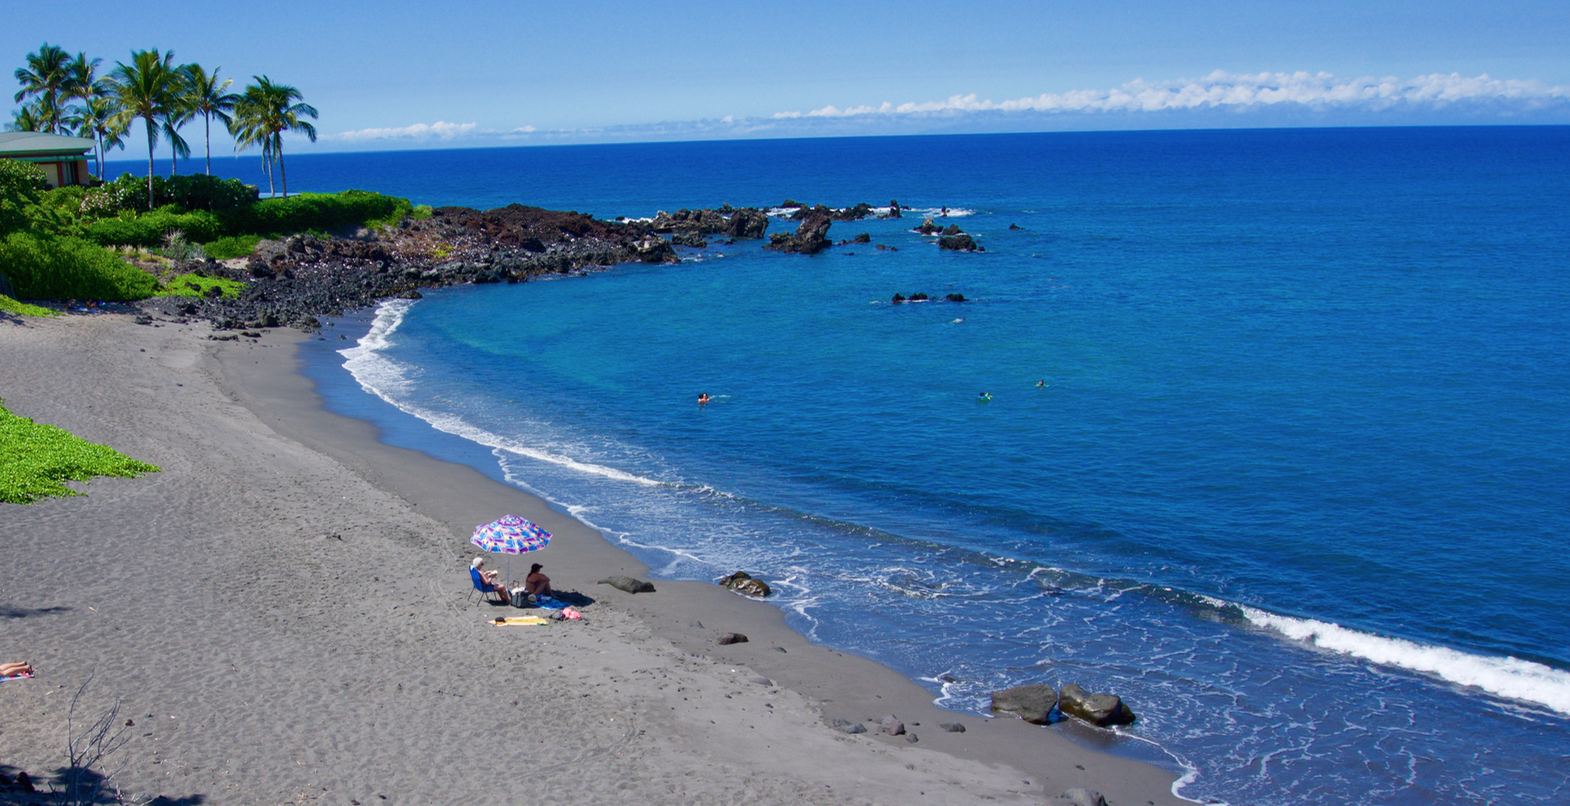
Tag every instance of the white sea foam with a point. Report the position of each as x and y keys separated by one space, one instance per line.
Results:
x=390 y=380
x=1509 y=677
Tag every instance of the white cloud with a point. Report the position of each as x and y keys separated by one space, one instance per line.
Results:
x=417 y=131
x=1241 y=91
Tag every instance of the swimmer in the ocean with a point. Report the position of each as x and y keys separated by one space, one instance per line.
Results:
x=985 y=396
x=1041 y=383
x=703 y=397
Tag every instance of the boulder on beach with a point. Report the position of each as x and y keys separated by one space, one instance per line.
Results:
x=628 y=584
x=741 y=582
x=731 y=638
x=1032 y=703
x=1080 y=796
x=1100 y=710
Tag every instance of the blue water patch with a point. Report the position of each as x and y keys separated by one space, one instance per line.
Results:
x=1275 y=445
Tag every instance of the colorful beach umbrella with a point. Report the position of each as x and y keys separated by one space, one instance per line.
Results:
x=510 y=535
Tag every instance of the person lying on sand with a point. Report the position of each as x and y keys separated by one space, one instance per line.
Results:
x=537 y=584
x=16 y=669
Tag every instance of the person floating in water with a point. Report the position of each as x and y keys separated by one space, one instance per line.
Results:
x=1041 y=384
x=703 y=398
x=985 y=397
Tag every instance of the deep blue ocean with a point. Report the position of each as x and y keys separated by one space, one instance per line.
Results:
x=1276 y=447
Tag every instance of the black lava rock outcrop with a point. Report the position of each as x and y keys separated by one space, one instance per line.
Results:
x=809 y=239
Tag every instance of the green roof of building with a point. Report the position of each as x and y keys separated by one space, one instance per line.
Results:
x=37 y=144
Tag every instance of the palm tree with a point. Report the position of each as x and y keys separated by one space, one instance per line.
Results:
x=47 y=76
x=176 y=114
x=91 y=117
x=26 y=119
x=264 y=113
x=96 y=117
x=206 y=97
x=144 y=89
x=248 y=128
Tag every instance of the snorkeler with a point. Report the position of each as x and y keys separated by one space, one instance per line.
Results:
x=703 y=397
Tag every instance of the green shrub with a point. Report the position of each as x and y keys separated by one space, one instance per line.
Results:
x=193 y=192
x=35 y=459
x=151 y=229
x=62 y=267
x=232 y=246
x=21 y=186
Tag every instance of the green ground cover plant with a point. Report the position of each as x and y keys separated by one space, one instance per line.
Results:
x=195 y=285
x=23 y=309
x=35 y=459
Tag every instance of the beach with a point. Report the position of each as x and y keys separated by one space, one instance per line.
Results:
x=282 y=615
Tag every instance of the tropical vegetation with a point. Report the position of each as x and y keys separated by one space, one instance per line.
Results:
x=65 y=94
x=75 y=242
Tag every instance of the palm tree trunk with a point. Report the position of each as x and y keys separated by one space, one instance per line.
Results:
x=149 y=163
x=208 y=121
x=282 y=177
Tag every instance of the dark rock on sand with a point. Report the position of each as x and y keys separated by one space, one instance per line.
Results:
x=952 y=727
x=1097 y=709
x=892 y=726
x=731 y=638
x=628 y=584
x=809 y=239
x=1080 y=796
x=846 y=726
x=1033 y=703
x=742 y=583
x=959 y=243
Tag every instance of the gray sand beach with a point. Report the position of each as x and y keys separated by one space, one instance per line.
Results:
x=282 y=614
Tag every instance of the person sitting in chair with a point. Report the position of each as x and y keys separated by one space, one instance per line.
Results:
x=486 y=580
x=537 y=584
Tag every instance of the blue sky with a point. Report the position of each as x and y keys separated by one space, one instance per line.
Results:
x=399 y=74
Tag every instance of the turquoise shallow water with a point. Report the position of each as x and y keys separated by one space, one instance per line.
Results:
x=1294 y=485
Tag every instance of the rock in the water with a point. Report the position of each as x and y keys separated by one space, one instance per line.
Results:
x=742 y=583
x=1080 y=796
x=628 y=584
x=732 y=638
x=810 y=238
x=928 y=228
x=1097 y=709
x=1033 y=703
x=952 y=727
x=959 y=243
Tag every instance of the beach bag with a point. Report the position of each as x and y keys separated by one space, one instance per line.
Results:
x=520 y=598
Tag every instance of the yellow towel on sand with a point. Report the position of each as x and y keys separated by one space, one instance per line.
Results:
x=505 y=622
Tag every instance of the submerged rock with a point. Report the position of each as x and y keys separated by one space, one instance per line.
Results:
x=742 y=583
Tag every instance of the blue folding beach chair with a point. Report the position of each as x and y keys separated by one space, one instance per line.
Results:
x=479 y=585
